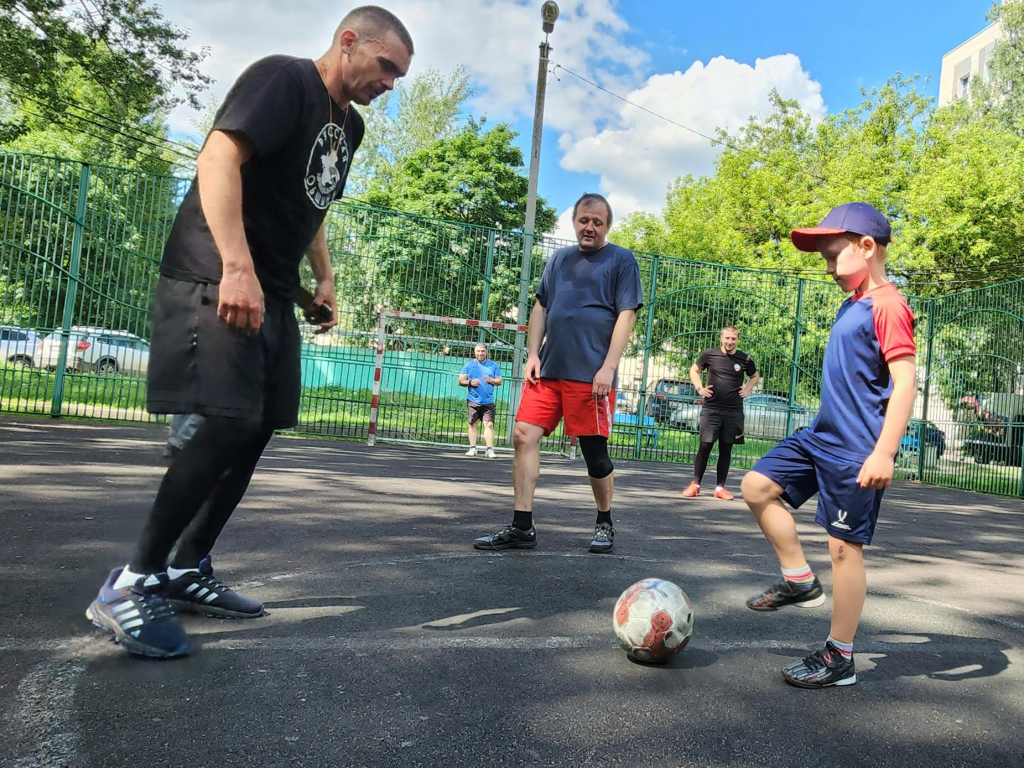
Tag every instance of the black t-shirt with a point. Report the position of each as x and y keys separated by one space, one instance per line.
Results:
x=304 y=143
x=725 y=375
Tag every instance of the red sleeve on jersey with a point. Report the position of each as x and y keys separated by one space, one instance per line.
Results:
x=894 y=326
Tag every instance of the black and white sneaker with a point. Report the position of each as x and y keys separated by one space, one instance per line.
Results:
x=604 y=538
x=784 y=593
x=825 y=667
x=203 y=593
x=141 y=618
x=508 y=538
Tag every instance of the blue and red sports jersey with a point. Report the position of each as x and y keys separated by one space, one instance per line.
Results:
x=871 y=329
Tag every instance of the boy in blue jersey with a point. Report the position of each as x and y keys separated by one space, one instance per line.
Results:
x=480 y=376
x=847 y=456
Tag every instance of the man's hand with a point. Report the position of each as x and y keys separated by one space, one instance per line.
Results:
x=326 y=293
x=707 y=391
x=531 y=373
x=744 y=392
x=877 y=471
x=474 y=382
x=241 y=301
x=603 y=382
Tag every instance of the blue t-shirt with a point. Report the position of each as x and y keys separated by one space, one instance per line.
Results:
x=583 y=294
x=484 y=394
x=871 y=330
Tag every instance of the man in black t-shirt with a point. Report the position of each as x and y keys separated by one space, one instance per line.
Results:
x=721 y=417
x=225 y=341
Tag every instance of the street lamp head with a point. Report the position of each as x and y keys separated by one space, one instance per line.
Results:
x=549 y=13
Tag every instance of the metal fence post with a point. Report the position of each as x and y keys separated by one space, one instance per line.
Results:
x=641 y=408
x=794 y=364
x=922 y=430
x=485 y=300
x=72 y=292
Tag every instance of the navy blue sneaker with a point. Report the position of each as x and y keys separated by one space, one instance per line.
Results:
x=203 y=593
x=508 y=537
x=141 y=618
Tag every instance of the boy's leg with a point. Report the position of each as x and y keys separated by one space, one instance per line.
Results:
x=785 y=473
x=849 y=588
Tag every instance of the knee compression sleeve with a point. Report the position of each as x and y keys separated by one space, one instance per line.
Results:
x=595 y=453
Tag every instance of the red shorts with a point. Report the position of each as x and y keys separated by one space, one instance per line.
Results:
x=545 y=403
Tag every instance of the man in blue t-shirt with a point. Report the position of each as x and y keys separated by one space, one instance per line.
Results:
x=586 y=306
x=480 y=376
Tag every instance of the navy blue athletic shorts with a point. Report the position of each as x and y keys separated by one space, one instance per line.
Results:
x=804 y=467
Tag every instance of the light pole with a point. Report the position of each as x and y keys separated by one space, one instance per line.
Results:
x=549 y=15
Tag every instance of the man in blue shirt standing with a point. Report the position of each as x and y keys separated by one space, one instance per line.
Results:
x=480 y=376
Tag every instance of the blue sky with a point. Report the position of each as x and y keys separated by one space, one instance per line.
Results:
x=705 y=64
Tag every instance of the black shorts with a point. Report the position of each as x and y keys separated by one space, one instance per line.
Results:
x=721 y=424
x=478 y=411
x=197 y=364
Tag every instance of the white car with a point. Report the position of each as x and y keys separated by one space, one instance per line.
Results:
x=97 y=350
x=764 y=416
x=18 y=345
x=624 y=404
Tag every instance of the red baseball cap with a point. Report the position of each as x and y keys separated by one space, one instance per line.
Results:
x=855 y=218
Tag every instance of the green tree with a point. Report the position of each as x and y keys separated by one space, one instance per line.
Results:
x=1001 y=94
x=405 y=121
x=123 y=47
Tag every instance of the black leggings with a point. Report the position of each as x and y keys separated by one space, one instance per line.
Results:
x=199 y=492
x=700 y=464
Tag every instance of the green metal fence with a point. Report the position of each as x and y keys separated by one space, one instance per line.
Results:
x=79 y=251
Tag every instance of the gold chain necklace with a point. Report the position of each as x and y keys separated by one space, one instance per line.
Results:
x=330 y=111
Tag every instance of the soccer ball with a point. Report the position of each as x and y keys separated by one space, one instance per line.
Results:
x=653 y=619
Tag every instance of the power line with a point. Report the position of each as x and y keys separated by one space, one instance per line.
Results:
x=115 y=130
x=713 y=140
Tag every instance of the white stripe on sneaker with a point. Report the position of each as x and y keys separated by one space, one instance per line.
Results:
x=202 y=592
x=135 y=623
x=122 y=607
x=211 y=597
x=128 y=615
x=191 y=588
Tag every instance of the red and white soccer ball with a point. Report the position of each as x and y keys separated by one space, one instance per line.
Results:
x=653 y=619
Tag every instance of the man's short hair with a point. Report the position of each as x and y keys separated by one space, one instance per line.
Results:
x=374 y=21
x=477 y=346
x=732 y=328
x=592 y=197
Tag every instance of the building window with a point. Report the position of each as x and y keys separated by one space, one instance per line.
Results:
x=963 y=87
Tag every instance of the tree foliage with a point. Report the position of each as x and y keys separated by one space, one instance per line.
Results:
x=123 y=47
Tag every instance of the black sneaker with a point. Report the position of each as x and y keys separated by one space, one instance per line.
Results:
x=508 y=538
x=604 y=538
x=203 y=593
x=825 y=667
x=141 y=618
x=784 y=593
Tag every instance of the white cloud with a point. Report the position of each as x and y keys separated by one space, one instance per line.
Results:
x=496 y=40
x=640 y=155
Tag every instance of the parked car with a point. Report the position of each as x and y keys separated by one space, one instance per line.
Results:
x=96 y=350
x=764 y=416
x=18 y=345
x=932 y=436
x=624 y=403
x=668 y=395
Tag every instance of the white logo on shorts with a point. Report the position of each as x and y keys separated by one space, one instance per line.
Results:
x=841 y=522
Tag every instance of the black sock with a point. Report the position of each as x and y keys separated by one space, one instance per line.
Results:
x=522 y=520
x=604 y=517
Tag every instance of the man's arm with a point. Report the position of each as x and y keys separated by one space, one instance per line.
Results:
x=463 y=379
x=747 y=388
x=535 y=337
x=696 y=380
x=620 y=337
x=320 y=262
x=879 y=467
x=219 y=172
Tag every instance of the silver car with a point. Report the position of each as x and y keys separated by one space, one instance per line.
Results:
x=18 y=345
x=764 y=416
x=97 y=350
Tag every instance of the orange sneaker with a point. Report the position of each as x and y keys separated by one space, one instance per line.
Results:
x=691 y=490
x=724 y=495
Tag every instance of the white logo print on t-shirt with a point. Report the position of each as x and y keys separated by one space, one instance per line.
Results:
x=328 y=165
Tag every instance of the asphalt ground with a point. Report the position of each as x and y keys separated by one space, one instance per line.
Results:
x=391 y=642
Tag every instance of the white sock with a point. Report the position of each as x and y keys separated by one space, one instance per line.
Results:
x=174 y=573
x=719 y=487
x=127 y=578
